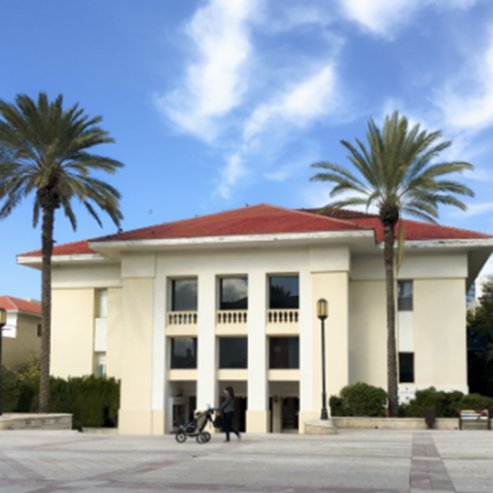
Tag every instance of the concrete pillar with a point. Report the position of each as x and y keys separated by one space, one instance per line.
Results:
x=206 y=342
x=277 y=415
x=257 y=412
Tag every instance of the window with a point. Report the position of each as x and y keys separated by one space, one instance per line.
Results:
x=284 y=352
x=183 y=352
x=39 y=330
x=184 y=295
x=233 y=293
x=405 y=295
x=283 y=292
x=100 y=363
x=101 y=303
x=406 y=367
x=233 y=352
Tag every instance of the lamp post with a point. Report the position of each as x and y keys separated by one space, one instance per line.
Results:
x=3 y=321
x=322 y=314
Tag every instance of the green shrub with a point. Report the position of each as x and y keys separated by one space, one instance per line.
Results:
x=361 y=399
x=445 y=404
x=93 y=401
x=336 y=406
x=10 y=390
x=477 y=401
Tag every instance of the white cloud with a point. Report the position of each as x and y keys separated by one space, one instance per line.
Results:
x=467 y=101
x=231 y=174
x=311 y=98
x=271 y=122
x=383 y=17
x=474 y=209
x=215 y=82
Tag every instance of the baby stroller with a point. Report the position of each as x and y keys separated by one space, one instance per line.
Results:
x=195 y=427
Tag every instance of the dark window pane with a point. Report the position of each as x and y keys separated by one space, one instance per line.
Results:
x=284 y=352
x=184 y=295
x=233 y=293
x=233 y=352
x=283 y=292
x=405 y=295
x=183 y=352
x=406 y=367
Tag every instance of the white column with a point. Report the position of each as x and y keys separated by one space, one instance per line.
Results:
x=159 y=363
x=306 y=343
x=206 y=341
x=257 y=413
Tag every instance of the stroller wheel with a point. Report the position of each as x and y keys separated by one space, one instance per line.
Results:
x=203 y=437
x=180 y=436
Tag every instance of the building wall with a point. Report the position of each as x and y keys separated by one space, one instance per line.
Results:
x=138 y=331
x=20 y=342
x=72 y=332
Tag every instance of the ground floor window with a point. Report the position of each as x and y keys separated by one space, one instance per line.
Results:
x=183 y=353
x=406 y=367
x=233 y=352
x=284 y=352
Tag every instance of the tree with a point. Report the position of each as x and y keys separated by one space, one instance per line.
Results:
x=45 y=151
x=480 y=343
x=396 y=172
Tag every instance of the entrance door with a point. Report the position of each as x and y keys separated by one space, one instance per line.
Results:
x=290 y=412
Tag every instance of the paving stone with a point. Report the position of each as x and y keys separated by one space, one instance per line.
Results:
x=354 y=461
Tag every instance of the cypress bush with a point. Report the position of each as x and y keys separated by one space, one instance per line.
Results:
x=93 y=401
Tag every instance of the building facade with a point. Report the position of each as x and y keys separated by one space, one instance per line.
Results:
x=178 y=311
x=22 y=332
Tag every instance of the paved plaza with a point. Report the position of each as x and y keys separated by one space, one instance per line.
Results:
x=351 y=462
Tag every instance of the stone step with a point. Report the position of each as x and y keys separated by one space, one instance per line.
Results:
x=23 y=421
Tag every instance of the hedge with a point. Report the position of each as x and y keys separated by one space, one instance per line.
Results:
x=359 y=399
x=93 y=401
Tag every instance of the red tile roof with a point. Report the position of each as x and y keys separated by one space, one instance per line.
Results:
x=75 y=248
x=12 y=303
x=251 y=220
x=268 y=219
x=414 y=230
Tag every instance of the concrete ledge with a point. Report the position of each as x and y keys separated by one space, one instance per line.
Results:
x=49 y=421
x=394 y=423
x=320 y=427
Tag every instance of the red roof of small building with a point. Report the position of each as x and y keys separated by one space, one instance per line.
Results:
x=12 y=303
x=267 y=219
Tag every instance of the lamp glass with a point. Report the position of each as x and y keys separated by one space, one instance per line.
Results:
x=322 y=308
x=3 y=316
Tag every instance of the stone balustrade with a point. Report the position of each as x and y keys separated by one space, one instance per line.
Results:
x=232 y=317
x=182 y=318
x=283 y=316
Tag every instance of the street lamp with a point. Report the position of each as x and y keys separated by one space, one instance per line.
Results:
x=3 y=321
x=322 y=314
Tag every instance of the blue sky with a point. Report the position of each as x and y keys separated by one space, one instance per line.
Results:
x=219 y=103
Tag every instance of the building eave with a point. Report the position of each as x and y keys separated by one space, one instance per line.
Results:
x=230 y=240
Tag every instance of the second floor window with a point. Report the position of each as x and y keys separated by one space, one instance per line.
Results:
x=233 y=352
x=183 y=353
x=233 y=293
x=283 y=292
x=405 y=296
x=284 y=352
x=183 y=295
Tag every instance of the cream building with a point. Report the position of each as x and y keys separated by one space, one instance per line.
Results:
x=21 y=334
x=178 y=311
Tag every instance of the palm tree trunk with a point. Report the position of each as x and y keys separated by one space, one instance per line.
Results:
x=46 y=250
x=392 y=387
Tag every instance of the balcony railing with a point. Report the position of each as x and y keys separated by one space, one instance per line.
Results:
x=286 y=316
x=232 y=317
x=182 y=318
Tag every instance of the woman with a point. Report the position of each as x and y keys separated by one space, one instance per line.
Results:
x=228 y=411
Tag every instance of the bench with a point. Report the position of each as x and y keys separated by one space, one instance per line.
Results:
x=473 y=416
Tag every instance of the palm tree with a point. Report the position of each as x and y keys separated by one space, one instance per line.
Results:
x=396 y=172
x=45 y=152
